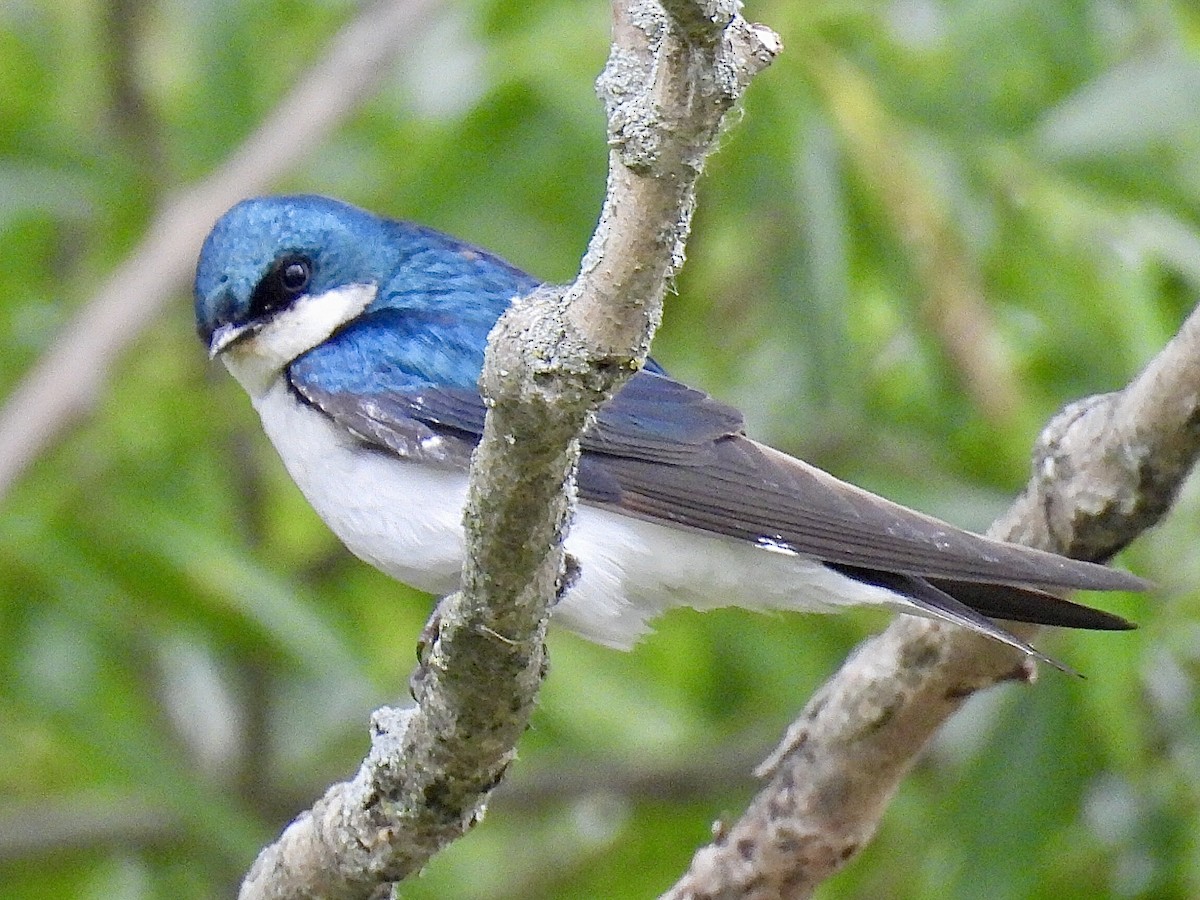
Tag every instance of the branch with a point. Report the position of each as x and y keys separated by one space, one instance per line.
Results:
x=65 y=383
x=552 y=359
x=1105 y=469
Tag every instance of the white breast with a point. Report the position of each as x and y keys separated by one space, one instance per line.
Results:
x=406 y=520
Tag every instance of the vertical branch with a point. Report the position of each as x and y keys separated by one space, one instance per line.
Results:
x=552 y=359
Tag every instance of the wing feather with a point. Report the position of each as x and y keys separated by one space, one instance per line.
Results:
x=666 y=452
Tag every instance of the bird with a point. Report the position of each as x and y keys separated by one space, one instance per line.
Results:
x=360 y=341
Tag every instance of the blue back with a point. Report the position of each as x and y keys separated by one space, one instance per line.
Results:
x=438 y=297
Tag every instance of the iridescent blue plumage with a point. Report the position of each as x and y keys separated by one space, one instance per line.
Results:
x=361 y=340
x=438 y=297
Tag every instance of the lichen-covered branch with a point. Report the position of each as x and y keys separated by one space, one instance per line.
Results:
x=663 y=121
x=552 y=359
x=1105 y=470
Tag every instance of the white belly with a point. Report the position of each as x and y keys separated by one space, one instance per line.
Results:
x=406 y=520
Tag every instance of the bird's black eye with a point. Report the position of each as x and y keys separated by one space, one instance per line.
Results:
x=294 y=274
x=286 y=280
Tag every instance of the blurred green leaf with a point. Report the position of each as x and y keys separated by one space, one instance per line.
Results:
x=178 y=628
x=1136 y=106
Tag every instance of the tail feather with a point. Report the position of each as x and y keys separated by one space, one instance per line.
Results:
x=973 y=605
x=1018 y=604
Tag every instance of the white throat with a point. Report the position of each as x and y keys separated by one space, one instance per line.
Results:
x=257 y=360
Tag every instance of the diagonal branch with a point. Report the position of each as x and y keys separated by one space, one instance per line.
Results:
x=63 y=385
x=552 y=359
x=1105 y=469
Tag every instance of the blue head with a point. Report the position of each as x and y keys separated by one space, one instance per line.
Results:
x=355 y=299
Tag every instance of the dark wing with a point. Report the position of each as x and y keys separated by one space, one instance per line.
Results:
x=434 y=427
x=666 y=452
x=740 y=488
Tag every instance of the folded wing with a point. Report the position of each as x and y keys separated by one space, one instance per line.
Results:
x=666 y=452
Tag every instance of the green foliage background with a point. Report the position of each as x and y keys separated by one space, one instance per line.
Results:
x=187 y=656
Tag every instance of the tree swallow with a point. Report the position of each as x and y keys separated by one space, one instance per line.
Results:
x=360 y=341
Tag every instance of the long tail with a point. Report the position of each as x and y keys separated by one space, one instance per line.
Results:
x=974 y=606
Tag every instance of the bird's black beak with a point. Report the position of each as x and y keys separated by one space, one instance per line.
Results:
x=228 y=335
